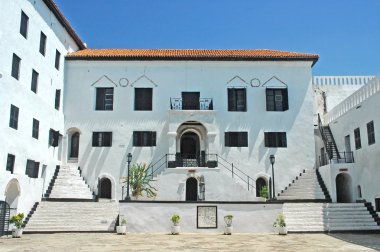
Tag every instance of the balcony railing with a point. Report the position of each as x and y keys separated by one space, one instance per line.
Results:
x=201 y=104
x=345 y=157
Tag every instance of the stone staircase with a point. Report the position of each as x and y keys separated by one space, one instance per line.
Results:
x=328 y=217
x=306 y=186
x=68 y=183
x=63 y=216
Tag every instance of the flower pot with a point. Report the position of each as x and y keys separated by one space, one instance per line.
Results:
x=121 y=229
x=228 y=230
x=175 y=229
x=282 y=230
x=17 y=232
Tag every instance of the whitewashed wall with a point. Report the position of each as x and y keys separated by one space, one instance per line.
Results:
x=211 y=79
x=17 y=92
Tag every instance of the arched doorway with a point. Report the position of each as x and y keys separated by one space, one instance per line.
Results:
x=191 y=189
x=343 y=188
x=260 y=183
x=12 y=194
x=190 y=145
x=105 y=188
x=74 y=146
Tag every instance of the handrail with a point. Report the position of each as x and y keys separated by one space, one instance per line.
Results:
x=329 y=145
x=345 y=157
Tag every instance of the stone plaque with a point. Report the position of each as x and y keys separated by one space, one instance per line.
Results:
x=207 y=217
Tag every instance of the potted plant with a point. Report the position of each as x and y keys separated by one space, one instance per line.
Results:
x=139 y=181
x=175 y=220
x=228 y=220
x=280 y=224
x=18 y=221
x=122 y=228
x=264 y=192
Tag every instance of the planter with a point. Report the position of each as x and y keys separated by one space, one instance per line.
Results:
x=175 y=229
x=282 y=230
x=228 y=230
x=121 y=229
x=17 y=232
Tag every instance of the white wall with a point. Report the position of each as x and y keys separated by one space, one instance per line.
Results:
x=212 y=80
x=18 y=92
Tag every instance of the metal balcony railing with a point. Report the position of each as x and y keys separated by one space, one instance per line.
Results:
x=201 y=104
x=344 y=157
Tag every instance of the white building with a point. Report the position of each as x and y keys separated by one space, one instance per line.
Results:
x=34 y=38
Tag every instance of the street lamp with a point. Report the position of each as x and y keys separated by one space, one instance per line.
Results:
x=272 y=159
x=129 y=159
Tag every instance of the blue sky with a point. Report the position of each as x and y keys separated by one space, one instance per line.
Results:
x=345 y=33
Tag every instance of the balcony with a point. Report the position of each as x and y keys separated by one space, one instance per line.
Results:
x=194 y=104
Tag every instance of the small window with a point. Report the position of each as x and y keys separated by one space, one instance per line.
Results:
x=237 y=99
x=32 y=168
x=24 y=25
x=143 y=99
x=358 y=143
x=16 y=62
x=275 y=139
x=53 y=138
x=36 y=128
x=57 y=102
x=104 y=99
x=43 y=43
x=371 y=133
x=13 y=119
x=57 y=59
x=144 y=138
x=11 y=163
x=236 y=139
x=34 y=84
x=377 y=204
x=102 y=139
x=277 y=99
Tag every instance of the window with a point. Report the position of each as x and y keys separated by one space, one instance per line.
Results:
x=143 y=98
x=277 y=99
x=13 y=119
x=24 y=24
x=237 y=99
x=43 y=44
x=371 y=133
x=236 y=139
x=53 y=138
x=36 y=127
x=102 y=139
x=57 y=59
x=358 y=143
x=144 y=138
x=104 y=99
x=377 y=204
x=57 y=102
x=275 y=139
x=34 y=84
x=16 y=61
x=10 y=163
x=32 y=168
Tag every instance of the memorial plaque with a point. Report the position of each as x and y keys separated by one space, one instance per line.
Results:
x=207 y=217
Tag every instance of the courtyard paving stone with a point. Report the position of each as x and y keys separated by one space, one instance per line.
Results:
x=189 y=242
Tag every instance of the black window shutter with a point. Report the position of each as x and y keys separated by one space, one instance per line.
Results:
x=148 y=98
x=107 y=139
x=244 y=139
x=231 y=99
x=285 y=103
x=227 y=138
x=16 y=66
x=57 y=98
x=135 y=138
x=266 y=139
x=244 y=95
x=94 y=137
x=268 y=100
x=154 y=138
x=36 y=169
x=100 y=97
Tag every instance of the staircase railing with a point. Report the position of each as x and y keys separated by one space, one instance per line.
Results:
x=345 y=157
x=330 y=145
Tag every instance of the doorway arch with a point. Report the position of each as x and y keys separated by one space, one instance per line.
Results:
x=343 y=184
x=191 y=189
x=74 y=145
x=190 y=145
x=105 y=188
x=12 y=195
x=260 y=183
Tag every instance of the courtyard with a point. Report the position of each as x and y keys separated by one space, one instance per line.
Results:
x=191 y=242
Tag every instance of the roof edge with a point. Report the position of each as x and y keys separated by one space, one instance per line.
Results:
x=63 y=21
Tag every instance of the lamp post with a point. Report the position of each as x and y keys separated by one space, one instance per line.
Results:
x=272 y=160
x=129 y=159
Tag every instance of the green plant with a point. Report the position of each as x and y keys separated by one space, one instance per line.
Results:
x=280 y=221
x=264 y=192
x=228 y=219
x=17 y=220
x=139 y=181
x=123 y=221
x=175 y=219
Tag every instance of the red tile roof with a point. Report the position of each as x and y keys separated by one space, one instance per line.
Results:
x=63 y=21
x=190 y=54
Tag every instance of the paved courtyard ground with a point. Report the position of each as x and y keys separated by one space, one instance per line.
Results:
x=190 y=242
